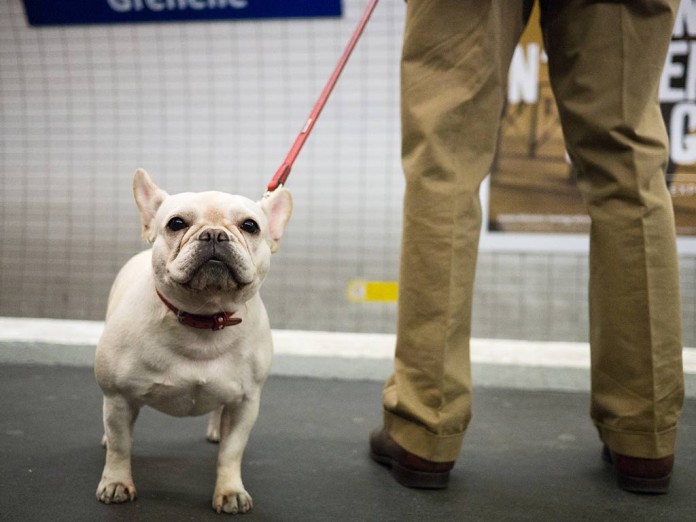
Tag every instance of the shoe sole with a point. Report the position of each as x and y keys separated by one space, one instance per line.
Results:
x=411 y=478
x=658 y=486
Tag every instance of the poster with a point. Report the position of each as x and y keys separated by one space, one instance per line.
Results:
x=532 y=189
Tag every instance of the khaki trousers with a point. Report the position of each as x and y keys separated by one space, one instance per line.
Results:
x=605 y=60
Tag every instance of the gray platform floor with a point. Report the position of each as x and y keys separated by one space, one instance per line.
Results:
x=528 y=455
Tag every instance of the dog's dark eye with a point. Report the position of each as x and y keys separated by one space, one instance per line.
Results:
x=176 y=223
x=250 y=226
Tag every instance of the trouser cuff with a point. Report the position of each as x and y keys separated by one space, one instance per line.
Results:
x=422 y=442
x=640 y=445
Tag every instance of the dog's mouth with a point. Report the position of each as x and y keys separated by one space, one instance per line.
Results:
x=215 y=269
x=215 y=262
x=218 y=273
x=216 y=266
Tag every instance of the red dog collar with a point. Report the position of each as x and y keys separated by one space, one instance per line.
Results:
x=203 y=322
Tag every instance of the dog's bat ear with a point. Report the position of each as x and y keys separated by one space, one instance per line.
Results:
x=148 y=197
x=277 y=206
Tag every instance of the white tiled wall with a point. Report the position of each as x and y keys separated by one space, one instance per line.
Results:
x=217 y=106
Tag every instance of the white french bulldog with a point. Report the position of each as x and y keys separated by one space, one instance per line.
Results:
x=186 y=332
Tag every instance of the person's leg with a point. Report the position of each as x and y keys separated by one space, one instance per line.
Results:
x=454 y=66
x=605 y=60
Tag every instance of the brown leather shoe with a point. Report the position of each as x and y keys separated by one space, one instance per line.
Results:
x=640 y=475
x=408 y=469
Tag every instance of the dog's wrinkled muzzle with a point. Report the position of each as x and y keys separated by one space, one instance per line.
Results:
x=213 y=260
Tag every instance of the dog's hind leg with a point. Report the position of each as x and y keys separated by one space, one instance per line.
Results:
x=213 y=431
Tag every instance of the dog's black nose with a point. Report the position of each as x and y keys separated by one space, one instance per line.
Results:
x=214 y=234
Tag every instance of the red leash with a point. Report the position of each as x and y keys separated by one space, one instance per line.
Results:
x=284 y=171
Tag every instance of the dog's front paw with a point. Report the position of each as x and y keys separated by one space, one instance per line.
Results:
x=113 y=492
x=233 y=502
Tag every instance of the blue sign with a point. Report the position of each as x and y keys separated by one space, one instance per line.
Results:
x=67 y=12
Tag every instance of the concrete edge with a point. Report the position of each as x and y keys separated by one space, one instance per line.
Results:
x=335 y=355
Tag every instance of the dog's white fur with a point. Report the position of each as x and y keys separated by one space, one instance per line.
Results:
x=146 y=357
